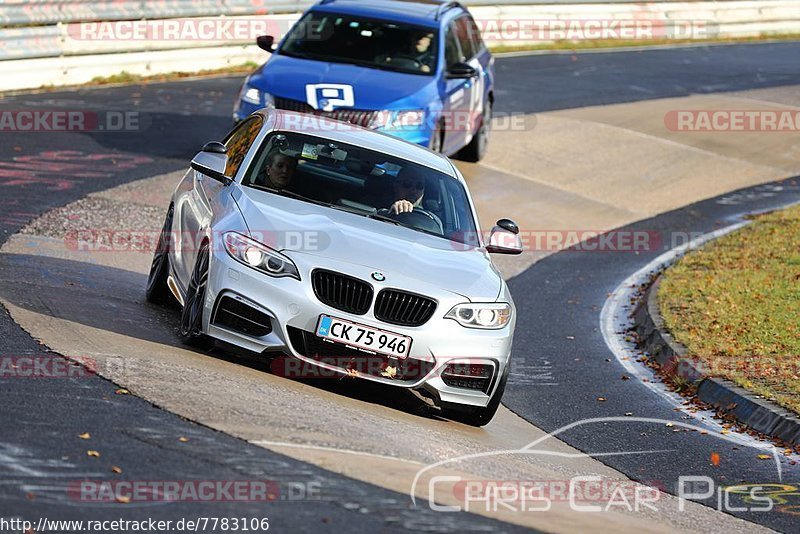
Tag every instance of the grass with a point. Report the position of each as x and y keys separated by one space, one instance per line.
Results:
x=735 y=304
x=127 y=77
x=618 y=43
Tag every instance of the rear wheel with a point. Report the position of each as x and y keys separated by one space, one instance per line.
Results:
x=157 y=290
x=470 y=415
x=191 y=327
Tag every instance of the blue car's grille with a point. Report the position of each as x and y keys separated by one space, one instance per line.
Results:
x=353 y=116
x=342 y=292
x=402 y=308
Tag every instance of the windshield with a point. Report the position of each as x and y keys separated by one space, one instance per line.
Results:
x=371 y=43
x=363 y=182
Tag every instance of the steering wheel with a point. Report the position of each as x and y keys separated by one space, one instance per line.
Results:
x=404 y=60
x=419 y=218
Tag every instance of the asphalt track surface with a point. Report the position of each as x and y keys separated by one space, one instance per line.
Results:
x=42 y=170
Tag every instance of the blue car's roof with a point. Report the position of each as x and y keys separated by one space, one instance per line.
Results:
x=417 y=12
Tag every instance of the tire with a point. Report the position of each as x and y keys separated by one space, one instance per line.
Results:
x=476 y=149
x=157 y=291
x=191 y=326
x=478 y=416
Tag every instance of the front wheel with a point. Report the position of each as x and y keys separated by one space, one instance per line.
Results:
x=191 y=327
x=478 y=416
x=157 y=290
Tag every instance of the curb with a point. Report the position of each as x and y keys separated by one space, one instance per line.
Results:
x=660 y=347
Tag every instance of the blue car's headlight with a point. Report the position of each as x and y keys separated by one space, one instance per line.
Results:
x=253 y=95
x=259 y=256
x=478 y=315
x=399 y=120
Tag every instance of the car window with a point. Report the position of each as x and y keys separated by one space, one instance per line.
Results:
x=239 y=142
x=474 y=35
x=357 y=40
x=361 y=181
x=452 y=51
x=464 y=34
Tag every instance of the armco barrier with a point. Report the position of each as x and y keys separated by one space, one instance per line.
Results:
x=50 y=42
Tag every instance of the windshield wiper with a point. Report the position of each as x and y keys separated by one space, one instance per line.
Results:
x=296 y=196
x=384 y=218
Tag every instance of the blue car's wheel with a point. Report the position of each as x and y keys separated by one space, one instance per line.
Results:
x=476 y=149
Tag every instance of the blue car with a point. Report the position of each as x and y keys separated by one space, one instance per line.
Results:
x=418 y=70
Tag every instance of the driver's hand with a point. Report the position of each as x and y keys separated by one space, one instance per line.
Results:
x=425 y=68
x=402 y=206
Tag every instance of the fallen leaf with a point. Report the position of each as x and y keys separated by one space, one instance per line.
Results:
x=601 y=399
x=93 y=454
x=724 y=431
x=122 y=391
x=183 y=439
x=85 y=435
x=764 y=456
x=115 y=469
x=715 y=458
x=389 y=372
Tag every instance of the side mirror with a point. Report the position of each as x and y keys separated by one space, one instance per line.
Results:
x=461 y=71
x=266 y=43
x=212 y=161
x=504 y=238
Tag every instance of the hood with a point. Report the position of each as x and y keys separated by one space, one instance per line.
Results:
x=373 y=89
x=296 y=227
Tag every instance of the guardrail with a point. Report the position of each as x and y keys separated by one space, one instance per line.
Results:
x=58 y=42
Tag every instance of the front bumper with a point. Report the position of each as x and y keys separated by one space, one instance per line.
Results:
x=420 y=135
x=293 y=311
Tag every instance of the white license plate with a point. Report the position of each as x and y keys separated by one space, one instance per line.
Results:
x=365 y=337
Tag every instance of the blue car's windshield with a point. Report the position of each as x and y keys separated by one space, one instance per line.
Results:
x=371 y=43
x=363 y=182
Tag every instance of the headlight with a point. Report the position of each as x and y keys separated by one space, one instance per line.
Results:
x=258 y=256
x=252 y=95
x=398 y=120
x=488 y=316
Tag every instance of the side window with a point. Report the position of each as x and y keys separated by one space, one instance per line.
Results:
x=475 y=35
x=464 y=36
x=239 y=142
x=452 y=52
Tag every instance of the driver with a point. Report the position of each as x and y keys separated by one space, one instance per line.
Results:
x=279 y=171
x=409 y=188
x=419 y=49
x=423 y=51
